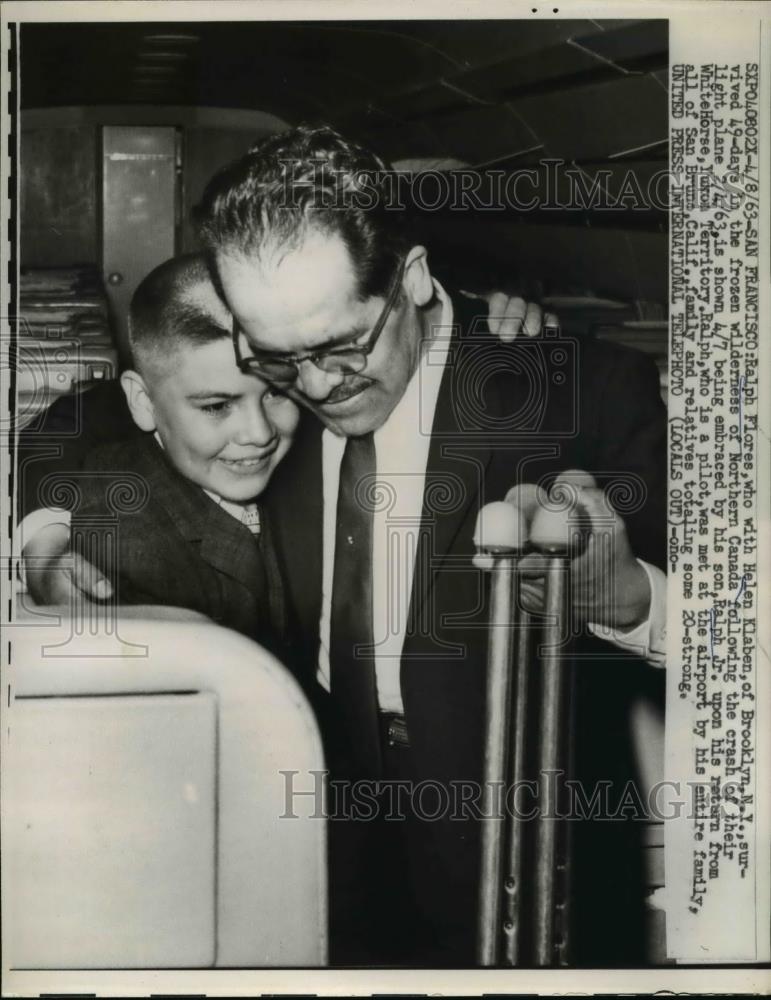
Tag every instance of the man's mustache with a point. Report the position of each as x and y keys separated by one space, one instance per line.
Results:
x=351 y=387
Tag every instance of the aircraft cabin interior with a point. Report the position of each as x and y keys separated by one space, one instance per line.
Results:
x=144 y=832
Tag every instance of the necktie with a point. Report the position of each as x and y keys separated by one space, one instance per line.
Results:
x=352 y=666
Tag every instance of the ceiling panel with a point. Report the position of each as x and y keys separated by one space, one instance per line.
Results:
x=598 y=121
x=482 y=42
x=502 y=93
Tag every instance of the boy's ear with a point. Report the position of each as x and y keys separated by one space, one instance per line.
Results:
x=138 y=400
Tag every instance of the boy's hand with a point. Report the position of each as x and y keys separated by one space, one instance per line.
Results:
x=510 y=317
x=57 y=575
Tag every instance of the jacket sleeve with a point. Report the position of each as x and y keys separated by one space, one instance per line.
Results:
x=60 y=440
x=143 y=565
x=631 y=440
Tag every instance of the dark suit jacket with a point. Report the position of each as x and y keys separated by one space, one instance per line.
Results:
x=506 y=414
x=161 y=540
x=60 y=439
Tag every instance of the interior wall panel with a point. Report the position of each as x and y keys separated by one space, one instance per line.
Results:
x=58 y=196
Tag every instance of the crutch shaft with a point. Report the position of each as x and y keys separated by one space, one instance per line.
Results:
x=554 y=671
x=499 y=671
x=513 y=899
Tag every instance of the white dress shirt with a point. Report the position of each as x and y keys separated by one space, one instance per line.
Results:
x=401 y=456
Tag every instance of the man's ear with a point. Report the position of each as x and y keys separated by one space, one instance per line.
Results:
x=138 y=399
x=417 y=277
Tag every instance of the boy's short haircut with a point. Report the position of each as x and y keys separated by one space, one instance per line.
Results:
x=175 y=304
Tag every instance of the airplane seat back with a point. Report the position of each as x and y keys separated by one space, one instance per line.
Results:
x=154 y=812
x=647 y=731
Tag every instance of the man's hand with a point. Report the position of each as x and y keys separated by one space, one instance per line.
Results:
x=609 y=586
x=56 y=575
x=511 y=317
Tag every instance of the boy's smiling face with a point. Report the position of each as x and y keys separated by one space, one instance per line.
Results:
x=221 y=429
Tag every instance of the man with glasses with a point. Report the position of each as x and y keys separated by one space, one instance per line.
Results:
x=349 y=358
x=422 y=421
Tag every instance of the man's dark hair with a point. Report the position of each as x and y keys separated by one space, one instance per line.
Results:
x=167 y=309
x=303 y=179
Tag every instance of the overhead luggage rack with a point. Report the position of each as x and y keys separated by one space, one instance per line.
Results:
x=65 y=339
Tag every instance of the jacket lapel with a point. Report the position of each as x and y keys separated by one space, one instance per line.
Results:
x=230 y=548
x=294 y=508
x=222 y=541
x=458 y=457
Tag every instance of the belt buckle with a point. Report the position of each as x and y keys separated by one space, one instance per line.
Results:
x=396 y=731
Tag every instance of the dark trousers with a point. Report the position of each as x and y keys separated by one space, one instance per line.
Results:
x=380 y=864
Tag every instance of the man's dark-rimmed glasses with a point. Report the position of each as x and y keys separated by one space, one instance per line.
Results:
x=283 y=369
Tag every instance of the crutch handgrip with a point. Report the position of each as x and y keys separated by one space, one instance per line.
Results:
x=501 y=527
x=561 y=532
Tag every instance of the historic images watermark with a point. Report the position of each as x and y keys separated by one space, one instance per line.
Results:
x=554 y=185
x=550 y=796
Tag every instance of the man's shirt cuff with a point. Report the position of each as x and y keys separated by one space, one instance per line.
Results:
x=649 y=638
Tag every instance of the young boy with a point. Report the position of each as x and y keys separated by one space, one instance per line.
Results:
x=170 y=514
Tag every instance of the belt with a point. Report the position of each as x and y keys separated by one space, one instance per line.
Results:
x=394 y=730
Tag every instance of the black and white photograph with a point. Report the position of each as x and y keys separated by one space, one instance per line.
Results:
x=384 y=449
